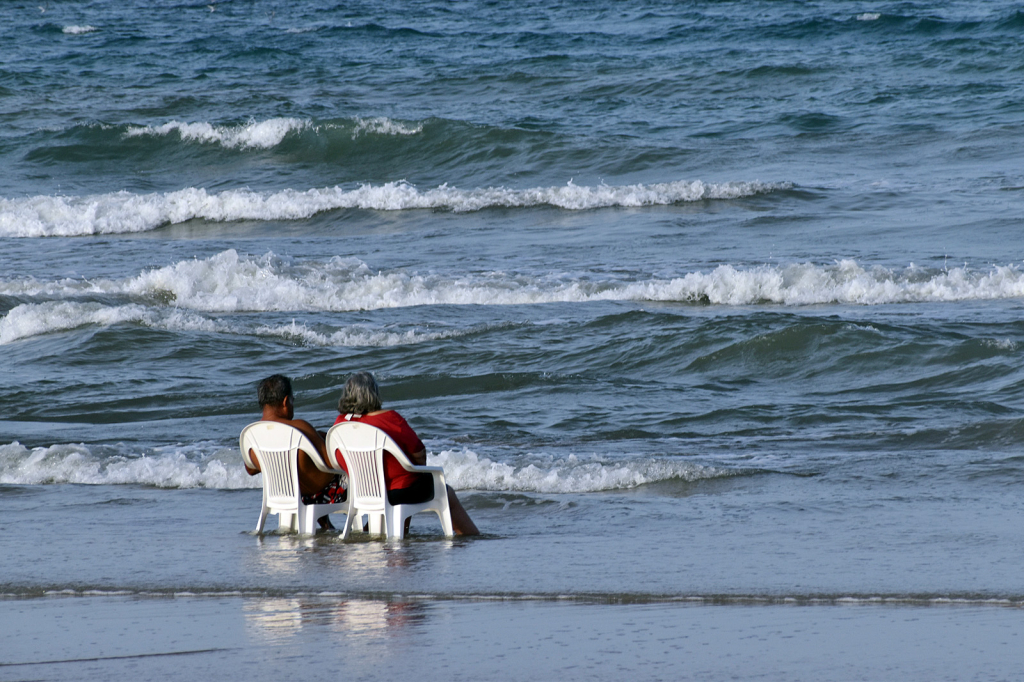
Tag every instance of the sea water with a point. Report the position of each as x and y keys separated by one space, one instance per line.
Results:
x=711 y=312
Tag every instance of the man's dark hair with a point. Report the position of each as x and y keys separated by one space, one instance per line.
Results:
x=273 y=390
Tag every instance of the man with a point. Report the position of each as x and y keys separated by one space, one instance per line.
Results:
x=317 y=487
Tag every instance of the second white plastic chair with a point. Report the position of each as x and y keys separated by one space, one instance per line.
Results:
x=362 y=446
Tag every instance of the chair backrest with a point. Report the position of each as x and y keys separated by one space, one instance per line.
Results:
x=363 y=446
x=277 y=448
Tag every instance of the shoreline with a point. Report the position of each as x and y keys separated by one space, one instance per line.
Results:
x=108 y=637
x=585 y=599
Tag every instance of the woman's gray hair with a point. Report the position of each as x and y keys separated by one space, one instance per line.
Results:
x=360 y=395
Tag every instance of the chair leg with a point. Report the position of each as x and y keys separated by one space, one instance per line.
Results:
x=289 y=521
x=308 y=523
x=446 y=521
x=375 y=519
x=262 y=520
x=396 y=524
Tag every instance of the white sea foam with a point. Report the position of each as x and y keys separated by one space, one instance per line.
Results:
x=189 y=466
x=1001 y=344
x=207 y=465
x=384 y=126
x=36 y=319
x=868 y=16
x=123 y=212
x=78 y=30
x=251 y=135
x=465 y=469
x=229 y=283
x=266 y=134
x=352 y=337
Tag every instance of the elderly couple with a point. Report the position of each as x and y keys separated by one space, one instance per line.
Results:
x=360 y=401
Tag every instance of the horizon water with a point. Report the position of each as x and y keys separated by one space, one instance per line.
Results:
x=711 y=311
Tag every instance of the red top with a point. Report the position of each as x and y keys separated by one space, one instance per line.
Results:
x=394 y=425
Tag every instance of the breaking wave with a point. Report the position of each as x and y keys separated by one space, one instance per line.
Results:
x=206 y=465
x=381 y=125
x=35 y=319
x=268 y=133
x=231 y=283
x=466 y=470
x=196 y=466
x=30 y=319
x=125 y=212
x=251 y=135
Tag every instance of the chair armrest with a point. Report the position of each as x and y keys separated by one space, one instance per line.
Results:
x=440 y=484
x=423 y=469
x=320 y=464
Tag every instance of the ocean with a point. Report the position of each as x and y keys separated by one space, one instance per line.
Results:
x=711 y=311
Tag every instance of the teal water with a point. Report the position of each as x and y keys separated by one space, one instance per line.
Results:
x=729 y=291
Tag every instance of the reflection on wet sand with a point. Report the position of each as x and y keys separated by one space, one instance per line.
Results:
x=293 y=554
x=370 y=615
x=278 y=620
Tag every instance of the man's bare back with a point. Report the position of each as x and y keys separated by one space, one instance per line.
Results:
x=278 y=404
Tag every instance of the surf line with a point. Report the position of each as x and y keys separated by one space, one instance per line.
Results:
x=118 y=658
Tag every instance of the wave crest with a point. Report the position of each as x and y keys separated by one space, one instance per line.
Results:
x=466 y=470
x=205 y=465
x=227 y=282
x=124 y=212
x=231 y=283
x=251 y=135
x=36 y=319
x=170 y=467
x=271 y=132
x=381 y=125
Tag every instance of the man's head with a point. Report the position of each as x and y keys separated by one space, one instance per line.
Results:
x=274 y=391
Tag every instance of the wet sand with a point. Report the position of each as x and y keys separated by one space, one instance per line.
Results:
x=124 y=582
x=234 y=638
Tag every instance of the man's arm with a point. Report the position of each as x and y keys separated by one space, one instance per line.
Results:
x=250 y=470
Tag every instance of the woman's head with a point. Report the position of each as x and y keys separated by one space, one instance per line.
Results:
x=360 y=395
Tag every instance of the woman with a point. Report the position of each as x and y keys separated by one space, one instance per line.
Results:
x=360 y=401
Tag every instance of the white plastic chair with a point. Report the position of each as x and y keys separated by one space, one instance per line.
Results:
x=362 y=446
x=277 y=448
